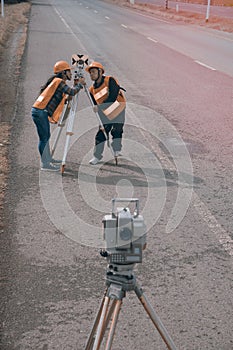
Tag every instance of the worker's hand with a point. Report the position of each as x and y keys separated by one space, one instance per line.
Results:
x=95 y=109
x=76 y=81
x=82 y=81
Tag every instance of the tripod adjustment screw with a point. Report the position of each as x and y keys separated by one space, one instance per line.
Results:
x=104 y=253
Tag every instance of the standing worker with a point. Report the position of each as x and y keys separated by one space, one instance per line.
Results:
x=110 y=103
x=48 y=108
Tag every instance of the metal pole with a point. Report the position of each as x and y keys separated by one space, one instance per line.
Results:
x=166 y=4
x=208 y=11
x=2 y=7
x=155 y=318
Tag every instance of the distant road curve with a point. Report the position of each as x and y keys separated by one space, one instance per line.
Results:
x=221 y=11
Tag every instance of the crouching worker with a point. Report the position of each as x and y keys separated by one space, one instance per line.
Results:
x=48 y=108
x=110 y=103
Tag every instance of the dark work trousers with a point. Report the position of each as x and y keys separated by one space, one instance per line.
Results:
x=116 y=130
x=40 y=118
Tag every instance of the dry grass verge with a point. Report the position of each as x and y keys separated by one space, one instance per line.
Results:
x=15 y=16
x=219 y=23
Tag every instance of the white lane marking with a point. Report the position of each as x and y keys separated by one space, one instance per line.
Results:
x=124 y=26
x=220 y=233
x=107 y=17
x=204 y=65
x=71 y=31
x=164 y=21
x=62 y=19
x=149 y=38
x=95 y=11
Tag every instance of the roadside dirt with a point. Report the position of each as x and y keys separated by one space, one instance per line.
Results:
x=13 y=33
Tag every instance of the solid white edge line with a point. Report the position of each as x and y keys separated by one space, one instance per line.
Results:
x=204 y=65
x=221 y=234
x=155 y=41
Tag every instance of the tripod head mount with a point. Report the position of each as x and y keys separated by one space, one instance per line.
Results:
x=78 y=63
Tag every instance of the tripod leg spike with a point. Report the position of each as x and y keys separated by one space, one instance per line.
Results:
x=62 y=169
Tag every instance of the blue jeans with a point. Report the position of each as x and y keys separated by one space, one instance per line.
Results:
x=40 y=118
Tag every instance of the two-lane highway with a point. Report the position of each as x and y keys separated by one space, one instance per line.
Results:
x=177 y=159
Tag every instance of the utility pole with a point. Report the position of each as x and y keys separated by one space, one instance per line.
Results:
x=208 y=11
x=2 y=7
x=166 y=4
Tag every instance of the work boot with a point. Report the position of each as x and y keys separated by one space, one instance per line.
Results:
x=117 y=154
x=49 y=167
x=55 y=161
x=94 y=161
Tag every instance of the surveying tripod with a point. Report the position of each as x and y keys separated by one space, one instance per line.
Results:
x=70 y=111
x=117 y=286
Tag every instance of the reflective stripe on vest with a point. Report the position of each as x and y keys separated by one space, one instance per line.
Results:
x=100 y=95
x=44 y=98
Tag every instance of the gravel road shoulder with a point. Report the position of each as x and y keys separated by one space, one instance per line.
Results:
x=13 y=34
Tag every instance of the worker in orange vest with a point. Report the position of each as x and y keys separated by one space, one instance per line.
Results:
x=110 y=103
x=48 y=108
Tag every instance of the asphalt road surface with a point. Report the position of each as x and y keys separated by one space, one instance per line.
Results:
x=177 y=159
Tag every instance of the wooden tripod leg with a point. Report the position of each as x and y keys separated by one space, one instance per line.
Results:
x=155 y=319
x=101 y=325
x=108 y=317
x=91 y=338
x=113 y=324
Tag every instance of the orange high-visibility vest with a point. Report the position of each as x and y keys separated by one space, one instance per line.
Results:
x=100 y=95
x=46 y=96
